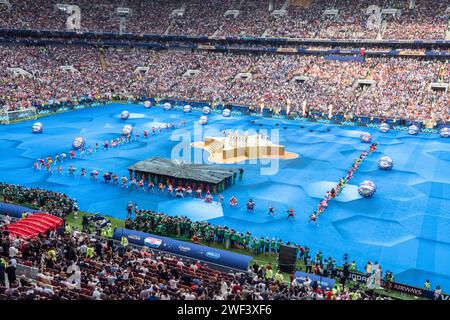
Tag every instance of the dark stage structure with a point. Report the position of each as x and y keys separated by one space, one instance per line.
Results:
x=180 y=173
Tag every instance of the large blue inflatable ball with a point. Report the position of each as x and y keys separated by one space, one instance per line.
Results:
x=367 y=189
x=37 y=127
x=203 y=120
x=206 y=110
x=124 y=115
x=384 y=127
x=147 y=104
x=445 y=132
x=413 y=130
x=167 y=106
x=385 y=163
x=187 y=108
x=226 y=112
x=127 y=130
x=366 y=137
x=78 y=143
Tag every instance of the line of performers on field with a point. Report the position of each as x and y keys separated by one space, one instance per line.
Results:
x=107 y=144
x=334 y=192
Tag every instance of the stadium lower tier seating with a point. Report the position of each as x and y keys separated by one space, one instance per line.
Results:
x=105 y=270
x=400 y=87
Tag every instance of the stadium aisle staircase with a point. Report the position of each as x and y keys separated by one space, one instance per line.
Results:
x=169 y=27
x=371 y=71
x=441 y=73
x=383 y=28
x=215 y=147
x=101 y=56
x=447 y=32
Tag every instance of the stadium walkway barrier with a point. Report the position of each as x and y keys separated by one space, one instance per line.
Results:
x=15 y=210
x=221 y=259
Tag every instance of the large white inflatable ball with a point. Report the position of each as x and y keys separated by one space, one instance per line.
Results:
x=78 y=143
x=366 y=137
x=206 y=110
x=124 y=115
x=384 y=127
x=187 y=108
x=37 y=127
x=147 y=104
x=167 y=106
x=385 y=163
x=127 y=130
x=367 y=189
x=413 y=130
x=445 y=132
x=226 y=112
x=203 y=120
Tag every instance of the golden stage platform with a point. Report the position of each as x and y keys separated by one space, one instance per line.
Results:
x=238 y=148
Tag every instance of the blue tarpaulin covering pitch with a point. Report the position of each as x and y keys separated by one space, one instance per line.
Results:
x=404 y=226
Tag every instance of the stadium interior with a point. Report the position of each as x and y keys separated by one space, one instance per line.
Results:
x=354 y=91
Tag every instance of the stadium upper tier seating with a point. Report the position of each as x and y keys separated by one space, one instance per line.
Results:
x=419 y=19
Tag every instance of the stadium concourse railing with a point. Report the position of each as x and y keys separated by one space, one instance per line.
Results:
x=221 y=39
x=406 y=48
x=32 y=271
x=319 y=117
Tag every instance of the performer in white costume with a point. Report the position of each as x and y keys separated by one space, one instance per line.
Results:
x=377 y=275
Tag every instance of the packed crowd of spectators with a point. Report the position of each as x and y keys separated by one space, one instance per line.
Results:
x=79 y=266
x=46 y=80
x=403 y=91
x=303 y=19
x=419 y=23
x=200 y=18
x=55 y=203
x=401 y=88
